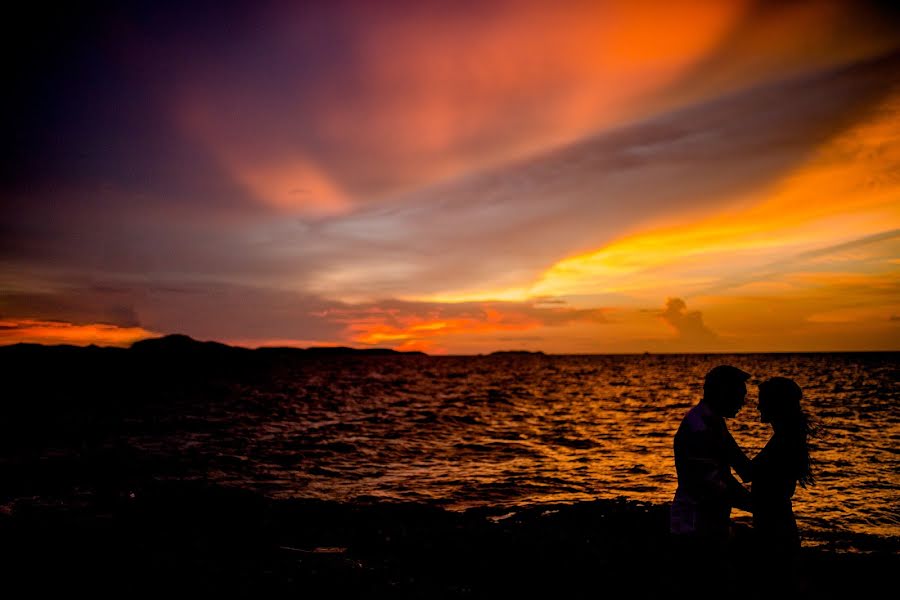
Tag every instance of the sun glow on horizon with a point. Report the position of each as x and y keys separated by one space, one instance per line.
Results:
x=61 y=332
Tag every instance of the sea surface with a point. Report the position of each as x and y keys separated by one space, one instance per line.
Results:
x=502 y=431
x=513 y=430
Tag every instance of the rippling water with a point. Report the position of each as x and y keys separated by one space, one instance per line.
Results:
x=522 y=429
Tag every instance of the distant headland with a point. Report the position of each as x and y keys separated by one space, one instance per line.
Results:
x=180 y=344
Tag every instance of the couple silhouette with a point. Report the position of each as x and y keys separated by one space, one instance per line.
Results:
x=706 y=454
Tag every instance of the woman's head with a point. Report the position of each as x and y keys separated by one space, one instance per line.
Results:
x=779 y=404
x=779 y=401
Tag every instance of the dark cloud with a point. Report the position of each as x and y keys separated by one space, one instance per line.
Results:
x=859 y=254
x=890 y=237
x=76 y=306
x=688 y=324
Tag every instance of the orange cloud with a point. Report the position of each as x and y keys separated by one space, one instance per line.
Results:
x=431 y=326
x=847 y=190
x=508 y=81
x=429 y=346
x=810 y=311
x=285 y=179
x=412 y=328
x=356 y=104
x=296 y=185
x=780 y=39
x=428 y=91
x=807 y=262
x=60 y=332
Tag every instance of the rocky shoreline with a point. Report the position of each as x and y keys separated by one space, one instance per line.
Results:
x=191 y=537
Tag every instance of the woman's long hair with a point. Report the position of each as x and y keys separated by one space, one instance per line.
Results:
x=797 y=424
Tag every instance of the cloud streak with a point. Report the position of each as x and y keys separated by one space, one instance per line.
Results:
x=503 y=228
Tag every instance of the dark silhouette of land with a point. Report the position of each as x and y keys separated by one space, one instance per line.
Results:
x=67 y=394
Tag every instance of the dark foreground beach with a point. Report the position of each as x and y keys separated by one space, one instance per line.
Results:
x=190 y=537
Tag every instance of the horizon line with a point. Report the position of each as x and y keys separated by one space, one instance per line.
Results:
x=454 y=354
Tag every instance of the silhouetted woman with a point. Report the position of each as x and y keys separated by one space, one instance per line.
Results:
x=777 y=469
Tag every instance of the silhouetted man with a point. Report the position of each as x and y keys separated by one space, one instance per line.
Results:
x=705 y=453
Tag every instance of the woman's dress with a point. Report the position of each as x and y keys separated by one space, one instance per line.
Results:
x=774 y=482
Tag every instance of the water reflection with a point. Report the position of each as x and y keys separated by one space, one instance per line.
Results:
x=523 y=429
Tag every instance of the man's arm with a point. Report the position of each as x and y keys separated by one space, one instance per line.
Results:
x=701 y=468
x=742 y=465
x=738 y=495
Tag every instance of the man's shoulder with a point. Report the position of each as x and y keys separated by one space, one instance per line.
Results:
x=697 y=418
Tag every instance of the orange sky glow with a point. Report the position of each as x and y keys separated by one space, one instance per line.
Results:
x=60 y=332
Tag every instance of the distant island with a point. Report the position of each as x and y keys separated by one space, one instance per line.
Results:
x=180 y=344
x=517 y=353
x=165 y=362
x=49 y=389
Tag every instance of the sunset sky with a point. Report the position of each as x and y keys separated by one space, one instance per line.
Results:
x=455 y=177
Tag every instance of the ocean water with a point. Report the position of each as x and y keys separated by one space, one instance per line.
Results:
x=513 y=430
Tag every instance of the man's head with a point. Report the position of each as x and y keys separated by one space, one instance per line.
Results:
x=725 y=389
